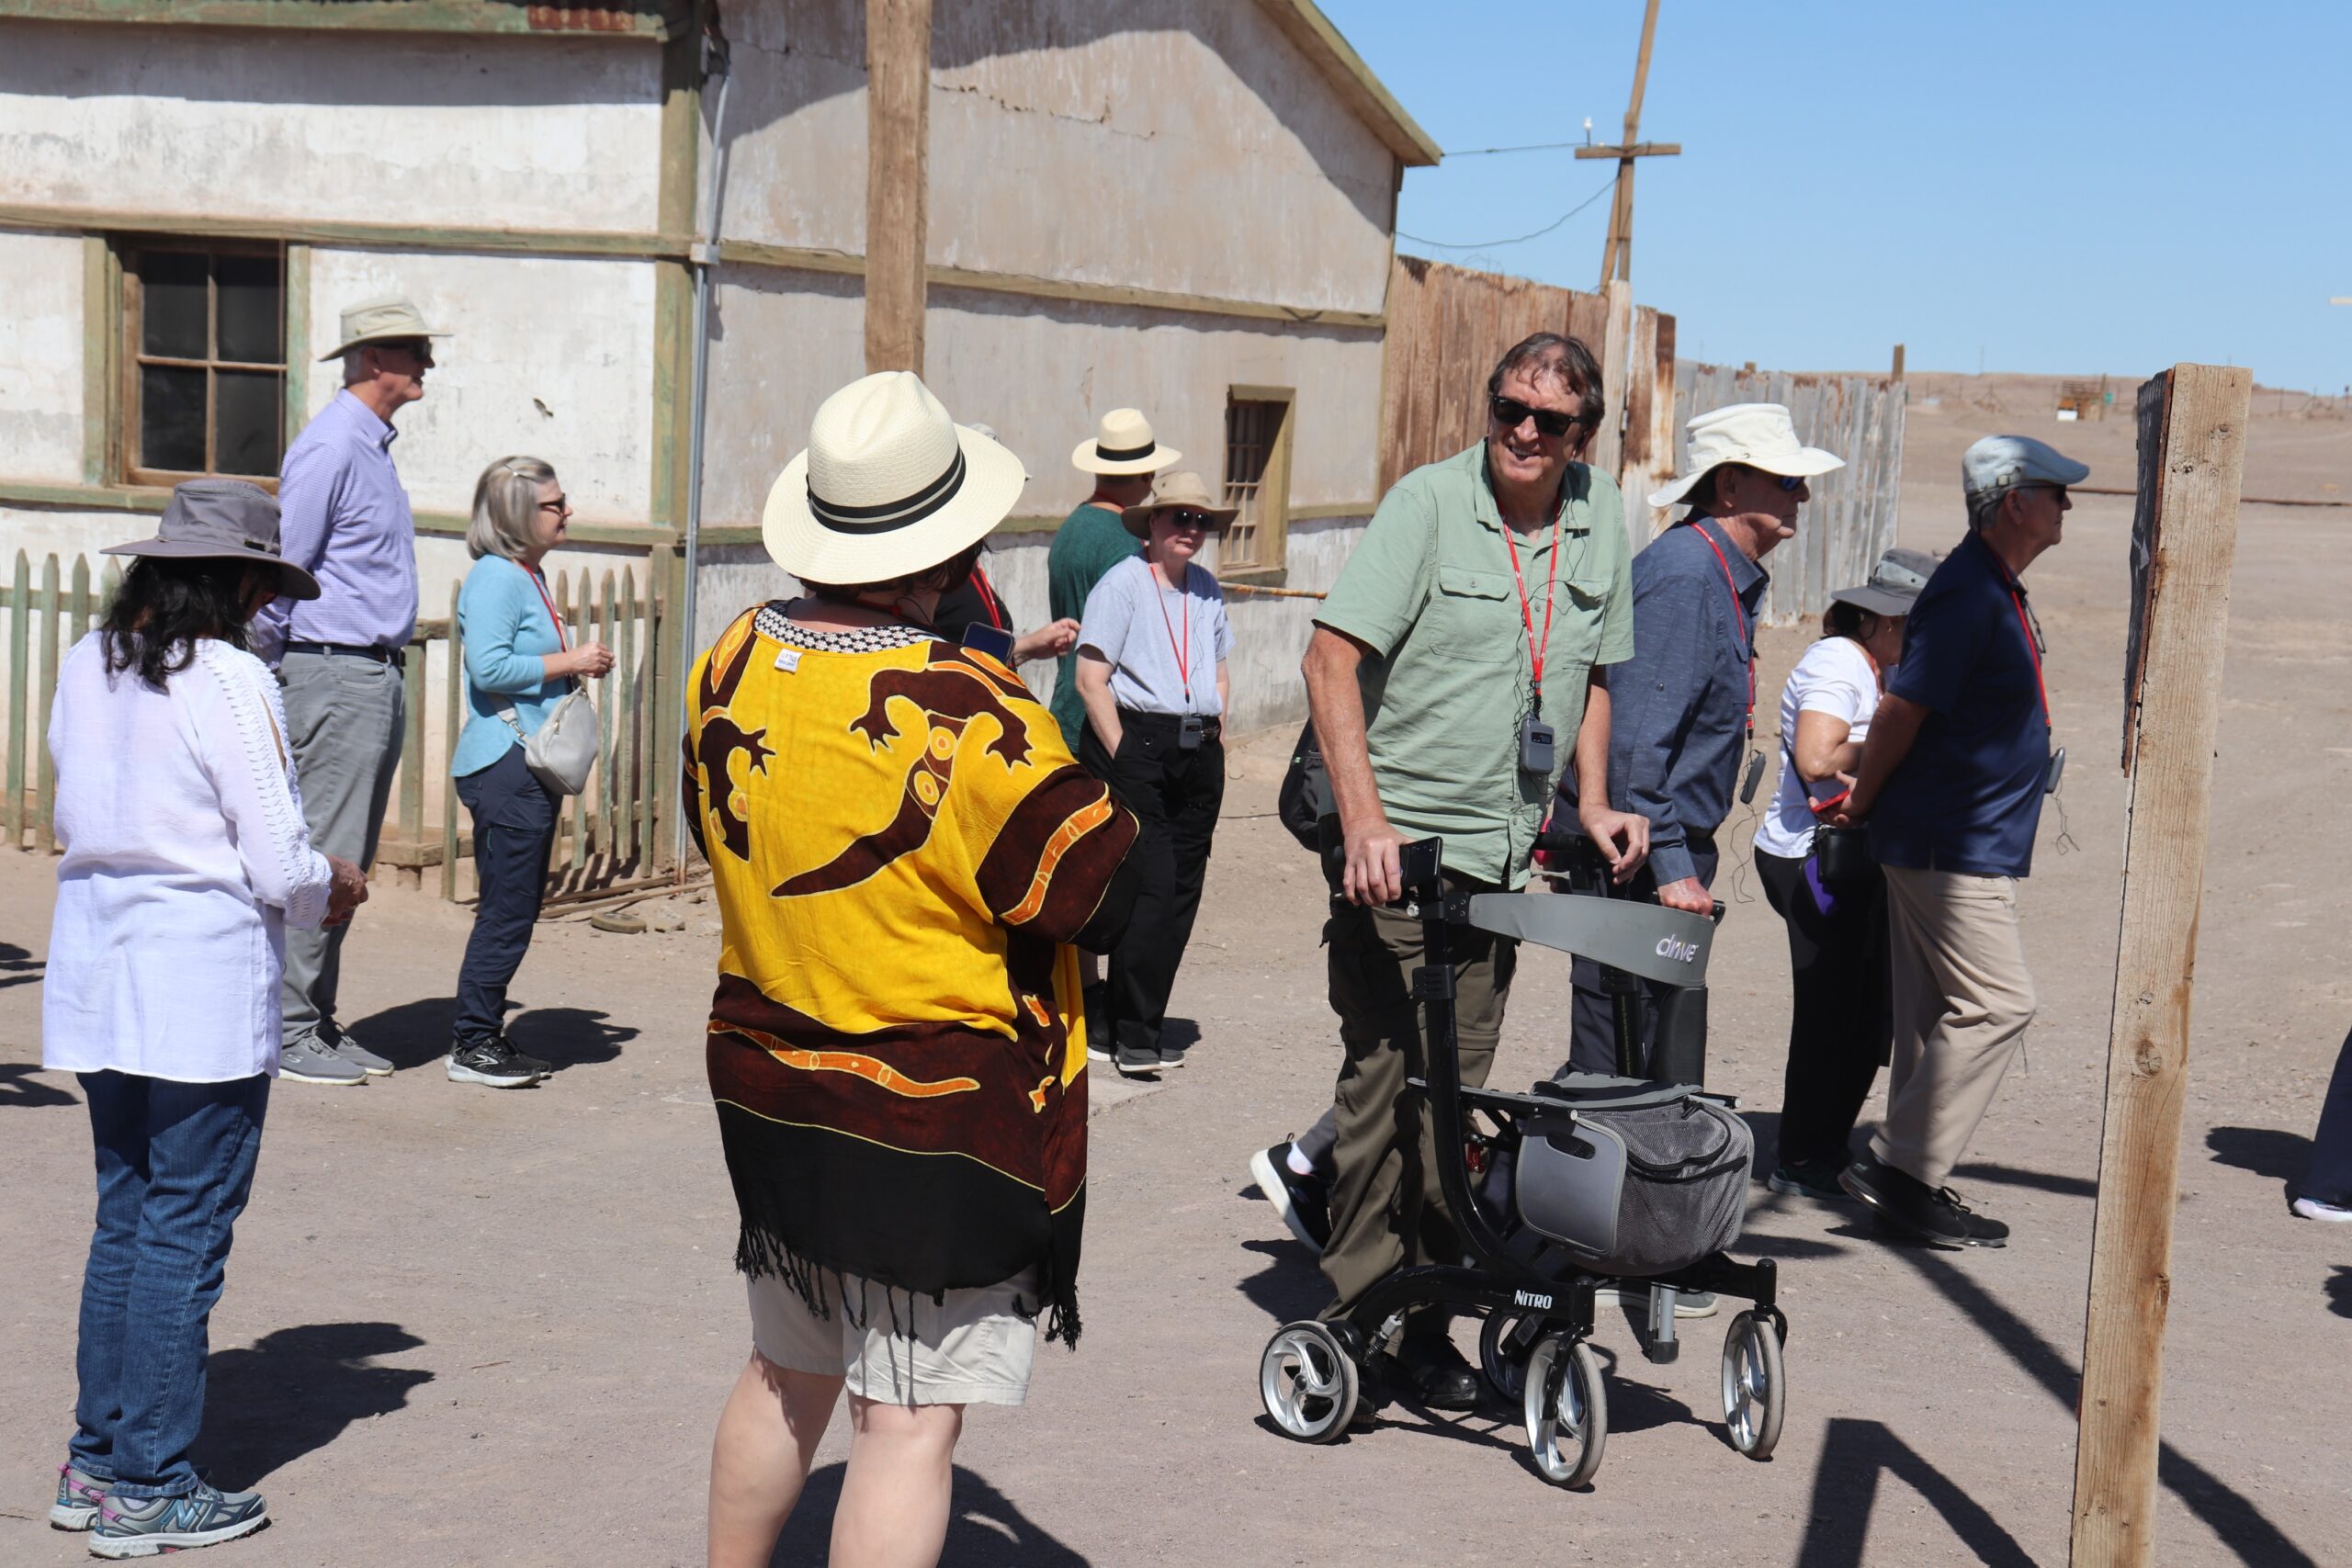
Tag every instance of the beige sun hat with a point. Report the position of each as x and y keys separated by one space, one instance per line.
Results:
x=1122 y=445
x=388 y=320
x=888 y=487
x=1754 y=435
x=1183 y=491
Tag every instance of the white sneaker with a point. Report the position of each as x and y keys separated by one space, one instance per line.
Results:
x=2312 y=1209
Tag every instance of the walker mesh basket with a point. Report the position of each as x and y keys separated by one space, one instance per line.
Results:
x=1644 y=1179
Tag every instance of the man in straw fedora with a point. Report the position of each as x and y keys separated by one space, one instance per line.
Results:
x=1454 y=672
x=1684 y=715
x=903 y=853
x=1122 y=455
x=346 y=520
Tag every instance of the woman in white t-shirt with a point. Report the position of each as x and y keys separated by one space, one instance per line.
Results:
x=1840 y=1026
x=1151 y=675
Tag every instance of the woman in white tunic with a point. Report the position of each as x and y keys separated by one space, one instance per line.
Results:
x=184 y=858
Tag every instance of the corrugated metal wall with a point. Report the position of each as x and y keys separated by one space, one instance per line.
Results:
x=1850 y=522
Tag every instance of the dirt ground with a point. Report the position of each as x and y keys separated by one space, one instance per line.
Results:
x=465 y=1327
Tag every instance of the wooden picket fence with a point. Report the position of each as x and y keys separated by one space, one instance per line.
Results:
x=614 y=835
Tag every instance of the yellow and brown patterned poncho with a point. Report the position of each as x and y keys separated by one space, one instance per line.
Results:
x=902 y=847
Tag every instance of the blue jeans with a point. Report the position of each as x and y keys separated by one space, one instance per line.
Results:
x=175 y=1165
x=515 y=820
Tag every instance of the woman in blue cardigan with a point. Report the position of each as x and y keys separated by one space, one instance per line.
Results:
x=519 y=664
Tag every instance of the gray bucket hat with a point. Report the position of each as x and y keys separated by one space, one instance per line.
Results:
x=222 y=520
x=1894 y=583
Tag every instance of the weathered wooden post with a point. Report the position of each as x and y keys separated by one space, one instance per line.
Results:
x=2184 y=536
x=898 y=164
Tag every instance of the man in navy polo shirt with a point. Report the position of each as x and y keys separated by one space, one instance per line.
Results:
x=1952 y=782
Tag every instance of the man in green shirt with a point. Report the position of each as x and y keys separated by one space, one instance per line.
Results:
x=1487 y=595
x=1123 y=457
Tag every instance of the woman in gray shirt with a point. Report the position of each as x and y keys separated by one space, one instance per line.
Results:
x=1151 y=653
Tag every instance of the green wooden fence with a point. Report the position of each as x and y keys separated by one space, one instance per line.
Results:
x=613 y=834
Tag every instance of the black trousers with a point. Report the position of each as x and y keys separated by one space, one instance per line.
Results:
x=1175 y=796
x=1842 y=1024
x=514 y=817
x=2329 y=1176
x=1592 y=1043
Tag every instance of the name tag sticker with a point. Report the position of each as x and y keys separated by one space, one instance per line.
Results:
x=788 y=661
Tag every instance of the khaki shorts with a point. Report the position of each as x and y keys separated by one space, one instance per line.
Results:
x=972 y=1348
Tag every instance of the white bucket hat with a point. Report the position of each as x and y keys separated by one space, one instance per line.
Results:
x=1755 y=436
x=1122 y=445
x=888 y=487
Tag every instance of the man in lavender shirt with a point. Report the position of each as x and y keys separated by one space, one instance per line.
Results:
x=345 y=519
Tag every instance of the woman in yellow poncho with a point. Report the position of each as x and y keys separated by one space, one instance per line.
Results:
x=903 y=852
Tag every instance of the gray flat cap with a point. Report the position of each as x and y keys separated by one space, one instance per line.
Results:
x=2000 y=463
x=222 y=520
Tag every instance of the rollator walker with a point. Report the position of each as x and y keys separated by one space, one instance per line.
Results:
x=1554 y=1216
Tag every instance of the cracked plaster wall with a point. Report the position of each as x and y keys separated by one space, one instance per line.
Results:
x=40 y=358
x=1180 y=145
x=560 y=133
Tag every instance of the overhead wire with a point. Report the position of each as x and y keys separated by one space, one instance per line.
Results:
x=1608 y=186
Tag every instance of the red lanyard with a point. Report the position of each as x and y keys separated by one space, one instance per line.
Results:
x=540 y=583
x=2033 y=651
x=989 y=605
x=1536 y=650
x=1184 y=654
x=1740 y=617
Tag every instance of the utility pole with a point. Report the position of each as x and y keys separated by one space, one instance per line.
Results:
x=1617 y=256
x=898 y=134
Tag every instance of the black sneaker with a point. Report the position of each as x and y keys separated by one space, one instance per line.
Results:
x=1905 y=1204
x=523 y=1060
x=1435 y=1373
x=1136 y=1061
x=493 y=1064
x=1172 y=1055
x=1808 y=1178
x=1303 y=1202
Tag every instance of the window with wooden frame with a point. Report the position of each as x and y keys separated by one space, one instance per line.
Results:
x=203 y=360
x=1258 y=422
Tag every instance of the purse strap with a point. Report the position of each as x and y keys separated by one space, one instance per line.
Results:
x=563 y=643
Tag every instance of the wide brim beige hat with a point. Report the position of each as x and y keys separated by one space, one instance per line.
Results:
x=379 y=321
x=1754 y=435
x=1123 y=444
x=1183 y=491
x=890 y=486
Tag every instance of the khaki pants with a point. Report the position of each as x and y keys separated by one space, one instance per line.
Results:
x=1963 y=999
x=1387 y=1209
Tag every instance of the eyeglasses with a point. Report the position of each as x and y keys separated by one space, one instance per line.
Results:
x=1510 y=414
x=561 y=505
x=1791 y=482
x=419 y=349
x=1185 y=517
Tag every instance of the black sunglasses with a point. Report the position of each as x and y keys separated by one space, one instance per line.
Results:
x=561 y=504
x=1510 y=412
x=1185 y=517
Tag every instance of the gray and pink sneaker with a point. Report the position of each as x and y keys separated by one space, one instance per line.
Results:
x=78 y=1496
x=148 y=1527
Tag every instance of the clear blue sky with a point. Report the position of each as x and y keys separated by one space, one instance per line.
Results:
x=2061 y=188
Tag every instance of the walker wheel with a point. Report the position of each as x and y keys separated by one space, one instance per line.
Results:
x=1566 y=1410
x=1309 y=1381
x=1755 y=1386
x=1503 y=1346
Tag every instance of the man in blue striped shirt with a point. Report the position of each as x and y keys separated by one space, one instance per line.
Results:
x=346 y=520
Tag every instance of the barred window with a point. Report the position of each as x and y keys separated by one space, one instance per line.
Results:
x=1257 y=479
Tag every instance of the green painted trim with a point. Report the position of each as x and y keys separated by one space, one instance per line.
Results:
x=84 y=498
x=1324 y=510
x=641 y=19
x=632 y=536
x=386 y=236
x=298 y=340
x=99 y=319
x=674 y=402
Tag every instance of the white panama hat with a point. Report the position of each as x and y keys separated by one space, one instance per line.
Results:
x=389 y=319
x=888 y=487
x=1754 y=435
x=1122 y=445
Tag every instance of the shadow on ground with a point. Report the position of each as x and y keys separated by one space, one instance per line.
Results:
x=294 y=1392
x=1845 y=1482
x=1290 y=1285
x=2339 y=1291
x=2017 y=1175
x=416 y=1033
x=985 y=1528
x=18 y=1087
x=2266 y=1151
x=19 y=967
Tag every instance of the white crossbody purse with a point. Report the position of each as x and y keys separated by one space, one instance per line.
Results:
x=564 y=749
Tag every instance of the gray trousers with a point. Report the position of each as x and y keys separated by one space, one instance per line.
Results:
x=347 y=716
